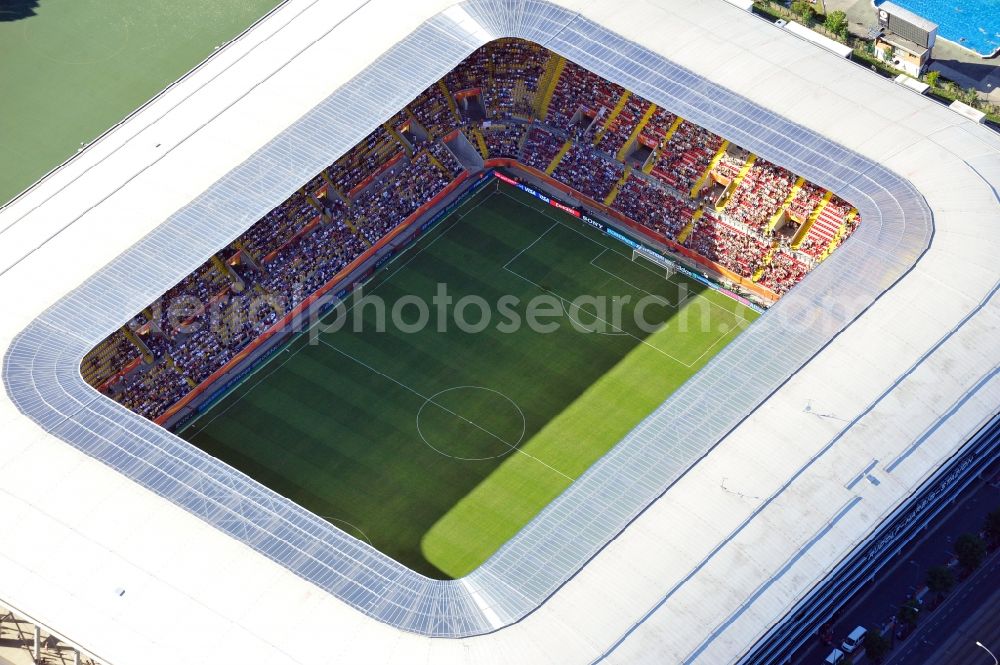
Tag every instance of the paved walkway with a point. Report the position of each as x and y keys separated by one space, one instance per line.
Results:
x=961 y=65
x=967 y=69
x=860 y=14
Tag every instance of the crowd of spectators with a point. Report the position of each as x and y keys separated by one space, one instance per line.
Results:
x=540 y=148
x=318 y=231
x=686 y=156
x=445 y=157
x=500 y=70
x=653 y=207
x=580 y=89
x=432 y=111
x=279 y=225
x=304 y=266
x=107 y=358
x=657 y=126
x=475 y=72
x=587 y=172
x=805 y=201
x=615 y=135
x=783 y=272
x=731 y=162
x=760 y=194
x=364 y=159
x=515 y=82
x=729 y=247
x=385 y=204
x=198 y=287
x=149 y=393
x=504 y=141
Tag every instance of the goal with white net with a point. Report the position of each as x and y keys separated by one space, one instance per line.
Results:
x=658 y=260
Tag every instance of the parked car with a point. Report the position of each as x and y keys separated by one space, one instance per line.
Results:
x=854 y=640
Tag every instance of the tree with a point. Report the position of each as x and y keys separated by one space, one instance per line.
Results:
x=836 y=22
x=889 y=53
x=931 y=78
x=992 y=526
x=970 y=96
x=940 y=580
x=877 y=645
x=970 y=550
x=805 y=10
x=909 y=613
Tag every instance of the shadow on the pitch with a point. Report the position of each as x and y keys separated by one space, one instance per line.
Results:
x=12 y=10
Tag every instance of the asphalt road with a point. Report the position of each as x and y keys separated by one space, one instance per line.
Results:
x=948 y=636
x=878 y=604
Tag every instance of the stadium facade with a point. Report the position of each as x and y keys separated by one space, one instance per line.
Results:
x=729 y=507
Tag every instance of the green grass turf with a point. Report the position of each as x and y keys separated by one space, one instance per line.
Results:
x=436 y=447
x=72 y=68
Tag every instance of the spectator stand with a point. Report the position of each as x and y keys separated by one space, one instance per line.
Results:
x=632 y=150
x=720 y=169
x=618 y=126
x=759 y=193
x=551 y=74
x=110 y=359
x=684 y=254
x=750 y=222
x=685 y=155
x=660 y=143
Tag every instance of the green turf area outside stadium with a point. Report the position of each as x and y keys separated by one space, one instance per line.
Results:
x=437 y=447
x=72 y=68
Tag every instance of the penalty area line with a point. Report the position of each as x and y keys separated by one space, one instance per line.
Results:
x=613 y=327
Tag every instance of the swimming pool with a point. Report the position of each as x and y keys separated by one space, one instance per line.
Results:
x=974 y=24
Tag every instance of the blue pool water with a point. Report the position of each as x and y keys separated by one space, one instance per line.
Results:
x=974 y=24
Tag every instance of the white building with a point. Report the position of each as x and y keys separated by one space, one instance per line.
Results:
x=907 y=39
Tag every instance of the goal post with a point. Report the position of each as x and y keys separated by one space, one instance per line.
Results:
x=658 y=260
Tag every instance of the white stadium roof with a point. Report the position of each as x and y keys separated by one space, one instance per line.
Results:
x=686 y=543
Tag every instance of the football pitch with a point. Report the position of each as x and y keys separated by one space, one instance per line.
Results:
x=436 y=438
x=69 y=69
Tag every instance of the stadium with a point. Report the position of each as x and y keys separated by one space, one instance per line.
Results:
x=205 y=463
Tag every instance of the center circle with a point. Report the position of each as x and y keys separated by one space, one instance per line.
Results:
x=471 y=423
